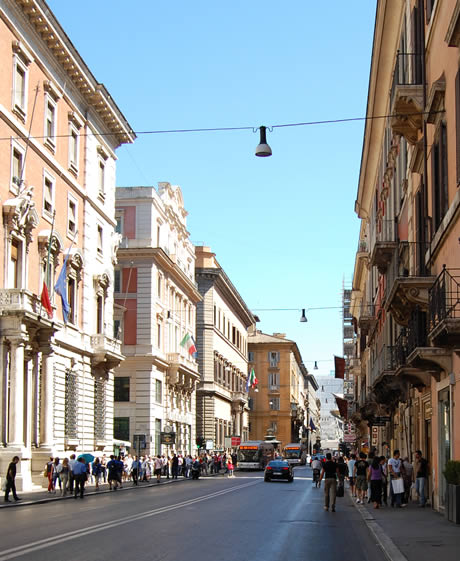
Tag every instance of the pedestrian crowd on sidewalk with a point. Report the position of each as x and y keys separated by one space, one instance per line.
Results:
x=374 y=479
x=70 y=475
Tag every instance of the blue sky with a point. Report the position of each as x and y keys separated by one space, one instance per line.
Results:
x=284 y=227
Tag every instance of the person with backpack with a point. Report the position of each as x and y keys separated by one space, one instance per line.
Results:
x=360 y=473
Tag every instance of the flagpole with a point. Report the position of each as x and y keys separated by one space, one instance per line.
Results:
x=68 y=251
x=47 y=271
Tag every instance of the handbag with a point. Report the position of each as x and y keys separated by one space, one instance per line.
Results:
x=4 y=485
x=398 y=485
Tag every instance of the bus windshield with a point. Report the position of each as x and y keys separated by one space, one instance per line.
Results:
x=292 y=452
x=248 y=454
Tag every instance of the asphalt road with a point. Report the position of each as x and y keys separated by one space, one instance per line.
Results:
x=217 y=518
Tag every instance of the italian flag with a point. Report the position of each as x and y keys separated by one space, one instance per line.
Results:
x=189 y=343
x=252 y=381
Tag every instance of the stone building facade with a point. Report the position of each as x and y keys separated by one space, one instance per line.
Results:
x=223 y=320
x=57 y=177
x=155 y=307
x=406 y=278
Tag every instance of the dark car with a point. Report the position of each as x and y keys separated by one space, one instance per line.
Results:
x=278 y=469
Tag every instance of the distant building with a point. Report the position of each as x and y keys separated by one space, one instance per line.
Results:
x=222 y=324
x=331 y=424
x=155 y=308
x=279 y=407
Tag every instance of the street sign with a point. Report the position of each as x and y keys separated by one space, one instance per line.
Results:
x=350 y=437
x=168 y=438
x=383 y=419
x=209 y=444
x=139 y=441
x=377 y=423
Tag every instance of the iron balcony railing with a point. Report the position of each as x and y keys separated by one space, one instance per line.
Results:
x=444 y=297
x=384 y=362
x=382 y=231
x=416 y=330
x=408 y=71
x=401 y=348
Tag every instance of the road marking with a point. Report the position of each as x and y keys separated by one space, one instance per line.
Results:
x=49 y=542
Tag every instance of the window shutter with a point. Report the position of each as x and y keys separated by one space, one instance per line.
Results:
x=457 y=123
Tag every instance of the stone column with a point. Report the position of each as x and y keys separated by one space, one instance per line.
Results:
x=16 y=402
x=47 y=397
x=237 y=427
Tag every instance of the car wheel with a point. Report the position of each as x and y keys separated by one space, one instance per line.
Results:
x=291 y=480
x=267 y=479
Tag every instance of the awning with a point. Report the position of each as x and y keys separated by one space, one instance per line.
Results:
x=343 y=406
x=339 y=364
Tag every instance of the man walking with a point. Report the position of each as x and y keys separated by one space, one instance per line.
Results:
x=329 y=472
x=79 y=472
x=10 y=480
x=360 y=473
x=72 y=463
x=351 y=469
x=395 y=469
x=420 y=473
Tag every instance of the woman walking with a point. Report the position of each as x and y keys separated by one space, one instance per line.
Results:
x=374 y=476
x=64 y=476
x=97 y=472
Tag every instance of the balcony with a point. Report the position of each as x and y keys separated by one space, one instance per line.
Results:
x=367 y=320
x=407 y=97
x=384 y=365
x=106 y=352
x=384 y=244
x=182 y=371
x=15 y=301
x=444 y=309
x=274 y=388
x=240 y=397
x=405 y=293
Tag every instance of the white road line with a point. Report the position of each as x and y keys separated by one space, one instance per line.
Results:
x=54 y=540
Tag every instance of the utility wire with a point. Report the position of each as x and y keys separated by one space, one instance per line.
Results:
x=226 y=129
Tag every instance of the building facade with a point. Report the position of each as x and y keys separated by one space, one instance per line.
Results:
x=331 y=420
x=222 y=324
x=406 y=278
x=155 y=308
x=279 y=407
x=57 y=172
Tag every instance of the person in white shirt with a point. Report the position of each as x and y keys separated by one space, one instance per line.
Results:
x=395 y=469
x=316 y=467
x=351 y=479
x=158 y=466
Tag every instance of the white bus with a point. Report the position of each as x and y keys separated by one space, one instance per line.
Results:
x=295 y=453
x=255 y=454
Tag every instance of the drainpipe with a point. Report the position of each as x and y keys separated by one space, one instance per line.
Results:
x=425 y=141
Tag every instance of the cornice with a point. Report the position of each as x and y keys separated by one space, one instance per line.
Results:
x=95 y=94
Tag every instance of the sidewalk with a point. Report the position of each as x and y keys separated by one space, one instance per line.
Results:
x=412 y=533
x=42 y=495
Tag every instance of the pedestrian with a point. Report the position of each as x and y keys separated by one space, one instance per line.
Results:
x=158 y=465
x=135 y=470
x=64 y=476
x=316 y=468
x=97 y=472
x=420 y=475
x=330 y=472
x=10 y=480
x=351 y=479
x=374 y=476
x=360 y=473
x=49 y=468
x=81 y=476
x=57 y=467
x=230 y=468
x=72 y=463
x=383 y=465
x=112 y=473
x=174 y=466
x=408 y=477
x=188 y=466
x=396 y=480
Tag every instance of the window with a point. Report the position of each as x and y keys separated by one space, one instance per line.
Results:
x=17 y=172
x=116 y=328
x=100 y=240
x=101 y=178
x=121 y=388
x=73 y=148
x=16 y=264
x=99 y=314
x=71 y=404
x=100 y=415
x=117 y=280
x=251 y=356
x=274 y=380
x=50 y=123
x=158 y=391
x=71 y=217
x=159 y=285
x=439 y=177
x=48 y=195
x=274 y=403
x=72 y=299
x=273 y=358
x=119 y=225
x=121 y=428
x=20 y=81
x=159 y=335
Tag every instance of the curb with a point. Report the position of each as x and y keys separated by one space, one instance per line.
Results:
x=387 y=545
x=103 y=492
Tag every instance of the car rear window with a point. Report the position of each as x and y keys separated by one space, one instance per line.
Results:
x=278 y=464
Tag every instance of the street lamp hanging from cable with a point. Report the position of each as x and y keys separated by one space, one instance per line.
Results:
x=263 y=149
x=303 y=317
